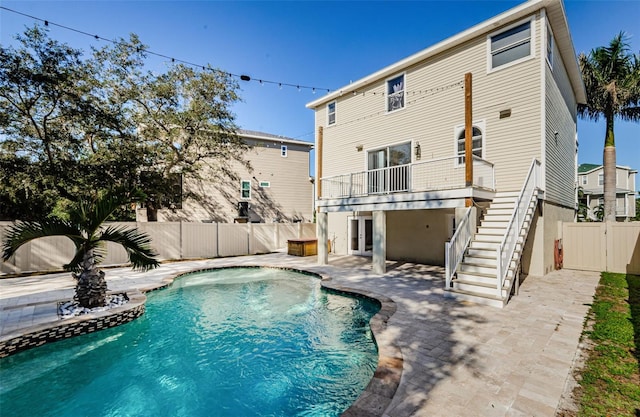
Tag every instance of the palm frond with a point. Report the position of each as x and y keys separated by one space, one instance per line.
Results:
x=25 y=231
x=137 y=244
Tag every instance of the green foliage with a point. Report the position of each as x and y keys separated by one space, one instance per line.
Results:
x=611 y=76
x=73 y=124
x=610 y=383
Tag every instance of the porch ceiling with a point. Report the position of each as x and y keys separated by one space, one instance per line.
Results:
x=404 y=201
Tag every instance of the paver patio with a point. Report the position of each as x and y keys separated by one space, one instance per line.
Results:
x=459 y=359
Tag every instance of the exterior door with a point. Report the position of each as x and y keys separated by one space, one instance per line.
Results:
x=360 y=236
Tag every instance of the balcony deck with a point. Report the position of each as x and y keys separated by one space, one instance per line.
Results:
x=436 y=183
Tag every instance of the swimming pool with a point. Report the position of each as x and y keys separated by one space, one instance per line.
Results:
x=229 y=342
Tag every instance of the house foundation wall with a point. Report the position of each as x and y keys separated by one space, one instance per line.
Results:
x=538 y=256
x=418 y=235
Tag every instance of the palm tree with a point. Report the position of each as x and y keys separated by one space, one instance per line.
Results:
x=84 y=228
x=611 y=76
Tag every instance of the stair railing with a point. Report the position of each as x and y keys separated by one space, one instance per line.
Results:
x=455 y=248
x=510 y=241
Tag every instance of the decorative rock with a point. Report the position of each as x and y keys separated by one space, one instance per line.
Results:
x=68 y=309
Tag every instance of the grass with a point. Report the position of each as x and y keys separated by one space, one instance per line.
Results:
x=610 y=380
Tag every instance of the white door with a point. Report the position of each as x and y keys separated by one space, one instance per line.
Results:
x=360 y=235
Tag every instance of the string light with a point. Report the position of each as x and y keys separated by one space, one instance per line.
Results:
x=242 y=77
x=423 y=94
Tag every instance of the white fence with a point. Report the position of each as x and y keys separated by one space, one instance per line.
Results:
x=613 y=247
x=171 y=240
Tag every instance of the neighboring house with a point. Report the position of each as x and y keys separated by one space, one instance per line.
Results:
x=276 y=187
x=591 y=181
x=390 y=154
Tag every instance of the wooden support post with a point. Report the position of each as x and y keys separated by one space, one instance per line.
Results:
x=468 y=136
x=319 y=163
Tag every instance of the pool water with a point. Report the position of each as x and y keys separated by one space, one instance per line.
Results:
x=231 y=342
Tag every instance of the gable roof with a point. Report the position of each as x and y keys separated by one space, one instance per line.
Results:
x=587 y=167
x=555 y=14
x=252 y=134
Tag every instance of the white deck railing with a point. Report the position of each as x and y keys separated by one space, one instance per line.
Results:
x=509 y=242
x=456 y=247
x=433 y=175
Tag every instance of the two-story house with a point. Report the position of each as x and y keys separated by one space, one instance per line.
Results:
x=591 y=182
x=412 y=158
x=274 y=187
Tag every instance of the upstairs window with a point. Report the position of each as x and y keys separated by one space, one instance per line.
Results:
x=476 y=143
x=331 y=113
x=395 y=93
x=245 y=189
x=549 y=47
x=283 y=151
x=600 y=179
x=583 y=180
x=511 y=45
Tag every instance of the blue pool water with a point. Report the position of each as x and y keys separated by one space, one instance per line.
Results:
x=231 y=342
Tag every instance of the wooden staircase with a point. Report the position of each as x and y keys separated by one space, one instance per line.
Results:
x=476 y=277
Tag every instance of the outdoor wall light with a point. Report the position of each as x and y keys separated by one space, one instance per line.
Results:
x=418 y=151
x=359 y=148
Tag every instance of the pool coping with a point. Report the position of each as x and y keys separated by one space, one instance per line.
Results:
x=373 y=401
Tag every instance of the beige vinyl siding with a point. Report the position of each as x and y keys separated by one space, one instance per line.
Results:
x=432 y=111
x=217 y=193
x=560 y=149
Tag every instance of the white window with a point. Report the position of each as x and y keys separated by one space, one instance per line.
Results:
x=600 y=179
x=283 y=151
x=245 y=189
x=511 y=45
x=549 y=47
x=265 y=184
x=584 y=180
x=477 y=141
x=395 y=93
x=331 y=113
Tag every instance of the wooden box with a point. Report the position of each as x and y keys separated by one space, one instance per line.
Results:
x=302 y=247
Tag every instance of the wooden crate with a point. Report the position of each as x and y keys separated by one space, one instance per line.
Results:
x=302 y=247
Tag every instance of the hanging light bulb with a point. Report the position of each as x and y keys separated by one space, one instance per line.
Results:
x=280 y=86
x=313 y=91
x=298 y=88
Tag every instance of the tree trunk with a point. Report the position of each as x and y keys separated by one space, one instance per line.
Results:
x=609 y=171
x=152 y=212
x=91 y=290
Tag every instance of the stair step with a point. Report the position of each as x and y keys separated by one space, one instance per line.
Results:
x=479 y=288
x=483 y=269
x=485 y=237
x=484 y=230
x=478 y=244
x=497 y=218
x=496 y=223
x=485 y=299
x=483 y=277
x=482 y=252
x=481 y=260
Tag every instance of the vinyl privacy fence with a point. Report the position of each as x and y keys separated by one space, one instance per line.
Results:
x=612 y=247
x=171 y=240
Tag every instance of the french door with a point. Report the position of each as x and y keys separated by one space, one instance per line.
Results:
x=388 y=168
x=360 y=235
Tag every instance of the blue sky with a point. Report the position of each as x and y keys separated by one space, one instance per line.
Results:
x=324 y=44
